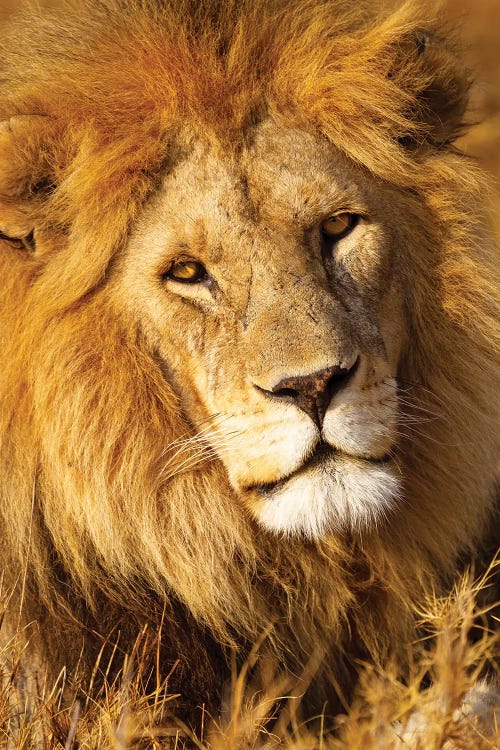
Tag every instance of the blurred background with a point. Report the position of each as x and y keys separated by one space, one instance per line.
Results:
x=479 y=21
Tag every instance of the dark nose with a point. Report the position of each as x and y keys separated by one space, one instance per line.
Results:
x=313 y=393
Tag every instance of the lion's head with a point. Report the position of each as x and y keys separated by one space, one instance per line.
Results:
x=248 y=316
x=269 y=285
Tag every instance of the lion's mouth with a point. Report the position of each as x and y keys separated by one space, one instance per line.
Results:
x=323 y=453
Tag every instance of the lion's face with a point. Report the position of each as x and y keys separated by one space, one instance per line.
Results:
x=279 y=327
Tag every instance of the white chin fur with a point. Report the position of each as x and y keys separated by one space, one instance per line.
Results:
x=340 y=494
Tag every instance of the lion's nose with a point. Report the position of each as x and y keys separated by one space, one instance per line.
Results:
x=312 y=393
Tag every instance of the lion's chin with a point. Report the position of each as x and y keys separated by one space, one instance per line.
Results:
x=336 y=493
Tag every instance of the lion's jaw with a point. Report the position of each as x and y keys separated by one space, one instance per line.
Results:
x=275 y=309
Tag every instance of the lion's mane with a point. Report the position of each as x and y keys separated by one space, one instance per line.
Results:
x=107 y=516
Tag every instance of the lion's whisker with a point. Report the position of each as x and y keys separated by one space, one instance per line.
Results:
x=199 y=438
x=425 y=436
x=442 y=398
x=219 y=444
x=418 y=407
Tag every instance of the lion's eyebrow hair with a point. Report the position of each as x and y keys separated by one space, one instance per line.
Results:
x=311 y=197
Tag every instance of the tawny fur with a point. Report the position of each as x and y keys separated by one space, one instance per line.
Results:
x=97 y=534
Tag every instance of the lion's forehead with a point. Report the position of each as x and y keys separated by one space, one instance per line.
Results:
x=283 y=174
x=247 y=212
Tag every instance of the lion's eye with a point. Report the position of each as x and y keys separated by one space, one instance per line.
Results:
x=20 y=243
x=187 y=272
x=338 y=226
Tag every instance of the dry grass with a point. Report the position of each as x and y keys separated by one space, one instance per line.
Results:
x=389 y=712
x=438 y=705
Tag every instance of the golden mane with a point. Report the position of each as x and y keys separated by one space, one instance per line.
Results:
x=96 y=502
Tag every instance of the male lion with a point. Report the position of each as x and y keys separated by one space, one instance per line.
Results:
x=249 y=335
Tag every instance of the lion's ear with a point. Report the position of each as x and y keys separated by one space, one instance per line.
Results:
x=438 y=86
x=25 y=175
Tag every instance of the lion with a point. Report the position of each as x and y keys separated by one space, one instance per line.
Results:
x=249 y=335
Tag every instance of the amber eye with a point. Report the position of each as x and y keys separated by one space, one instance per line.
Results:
x=338 y=226
x=187 y=272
